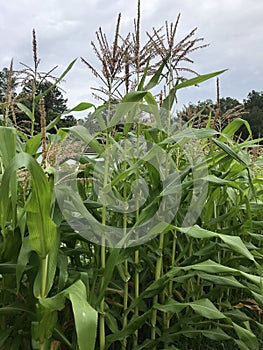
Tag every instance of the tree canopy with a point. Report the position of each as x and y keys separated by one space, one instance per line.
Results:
x=228 y=108
x=55 y=103
x=217 y=113
x=5 y=80
x=254 y=107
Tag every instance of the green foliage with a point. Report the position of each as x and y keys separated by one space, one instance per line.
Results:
x=4 y=84
x=254 y=107
x=55 y=105
x=219 y=115
x=209 y=289
x=23 y=109
x=227 y=103
x=190 y=279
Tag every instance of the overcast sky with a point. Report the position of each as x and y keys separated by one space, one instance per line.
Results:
x=65 y=28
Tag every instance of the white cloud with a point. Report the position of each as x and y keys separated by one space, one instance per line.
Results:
x=65 y=28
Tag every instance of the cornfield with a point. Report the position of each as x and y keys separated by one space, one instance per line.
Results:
x=151 y=241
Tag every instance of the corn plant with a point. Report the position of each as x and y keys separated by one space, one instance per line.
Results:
x=204 y=291
x=151 y=241
x=53 y=277
x=123 y=62
x=30 y=251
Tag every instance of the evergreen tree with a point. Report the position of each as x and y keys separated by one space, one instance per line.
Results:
x=254 y=108
x=55 y=105
x=4 y=81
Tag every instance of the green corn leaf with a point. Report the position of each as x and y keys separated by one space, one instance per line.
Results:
x=23 y=260
x=206 y=308
x=150 y=99
x=16 y=308
x=189 y=134
x=169 y=100
x=241 y=345
x=111 y=263
x=227 y=281
x=216 y=334
x=209 y=266
x=234 y=242
x=219 y=181
x=33 y=144
x=43 y=235
x=7 y=144
x=135 y=323
x=257 y=280
x=149 y=344
x=142 y=81
x=246 y=336
x=172 y=307
x=50 y=273
x=124 y=275
x=111 y=322
x=258 y=297
x=156 y=77
x=237 y=315
x=89 y=204
x=83 y=134
x=237 y=245
x=134 y=96
x=43 y=328
x=84 y=315
x=198 y=232
x=98 y=115
x=231 y=152
x=127 y=106
x=203 y=307
x=38 y=97
x=59 y=335
x=62 y=265
x=26 y=110
x=233 y=127
x=82 y=106
x=53 y=123
x=199 y=79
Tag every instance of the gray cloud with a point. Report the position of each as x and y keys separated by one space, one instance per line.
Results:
x=65 y=29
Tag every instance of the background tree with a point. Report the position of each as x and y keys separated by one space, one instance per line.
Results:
x=229 y=108
x=3 y=84
x=55 y=105
x=8 y=85
x=67 y=121
x=8 y=81
x=208 y=111
x=227 y=103
x=254 y=108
